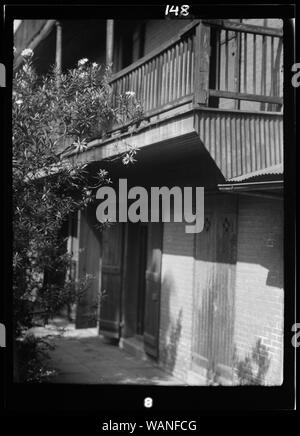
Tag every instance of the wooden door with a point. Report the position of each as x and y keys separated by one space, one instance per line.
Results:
x=88 y=267
x=153 y=284
x=213 y=316
x=142 y=265
x=111 y=282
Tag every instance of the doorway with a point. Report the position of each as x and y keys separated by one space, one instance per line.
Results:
x=152 y=289
x=141 y=290
x=143 y=235
x=131 y=281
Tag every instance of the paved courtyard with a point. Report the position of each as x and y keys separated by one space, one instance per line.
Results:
x=81 y=356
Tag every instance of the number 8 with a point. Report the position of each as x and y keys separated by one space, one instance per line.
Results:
x=184 y=10
x=148 y=402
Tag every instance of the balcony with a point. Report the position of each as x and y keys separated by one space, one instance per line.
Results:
x=229 y=75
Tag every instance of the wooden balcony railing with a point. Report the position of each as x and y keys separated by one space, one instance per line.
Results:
x=248 y=63
x=164 y=77
x=217 y=63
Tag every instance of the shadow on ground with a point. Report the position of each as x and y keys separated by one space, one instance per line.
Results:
x=83 y=357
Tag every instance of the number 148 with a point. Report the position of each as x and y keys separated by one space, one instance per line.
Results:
x=177 y=10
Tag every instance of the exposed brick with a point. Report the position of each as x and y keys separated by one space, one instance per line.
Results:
x=259 y=281
x=258 y=293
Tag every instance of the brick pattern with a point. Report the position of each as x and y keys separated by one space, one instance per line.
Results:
x=258 y=289
x=259 y=294
x=176 y=299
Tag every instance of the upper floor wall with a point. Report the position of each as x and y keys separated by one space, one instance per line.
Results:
x=135 y=39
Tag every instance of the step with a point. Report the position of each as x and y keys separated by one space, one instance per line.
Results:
x=135 y=347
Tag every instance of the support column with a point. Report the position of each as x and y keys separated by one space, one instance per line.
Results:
x=109 y=41
x=202 y=60
x=58 y=53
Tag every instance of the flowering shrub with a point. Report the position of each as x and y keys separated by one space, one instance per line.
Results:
x=53 y=114
x=253 y=368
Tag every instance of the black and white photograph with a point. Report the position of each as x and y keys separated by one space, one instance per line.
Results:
x=148 y=167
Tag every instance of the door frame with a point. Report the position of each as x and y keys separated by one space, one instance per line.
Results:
x=118 y=331
x=154 y=351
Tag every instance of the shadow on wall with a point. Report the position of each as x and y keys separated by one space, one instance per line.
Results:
x=264 y=244
x=261 y=244
x=215 y=313
x=172 y=327
x=274 y=246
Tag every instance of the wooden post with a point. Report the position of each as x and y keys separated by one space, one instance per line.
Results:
x=238 y=61
x=202 y=60
x=58 y=53
x=109 y=41
x=214 y=67
x=264 y=67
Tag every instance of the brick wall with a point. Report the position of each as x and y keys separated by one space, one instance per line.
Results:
x=159 y=31
x=258 y=312
x=259 y=281
x=176 y=299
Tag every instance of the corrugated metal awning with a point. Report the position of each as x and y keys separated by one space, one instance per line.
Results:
x=264 y=182
x=274 y=169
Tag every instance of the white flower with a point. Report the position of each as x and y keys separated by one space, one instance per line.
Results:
x=94 y=65
x=83 y=74
x=26 y=68
x=19 y=102
x=130 y=93
x=15 y=50
x=128 y=159
x=82 y=61
x=102 y=173
x=87 y=192
x=80 y=145
x=27 y=53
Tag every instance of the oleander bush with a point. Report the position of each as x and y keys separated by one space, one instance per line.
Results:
x=54 y=117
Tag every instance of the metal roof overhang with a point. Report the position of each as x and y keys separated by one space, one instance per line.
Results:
x=250 y=186
x=267 y=189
